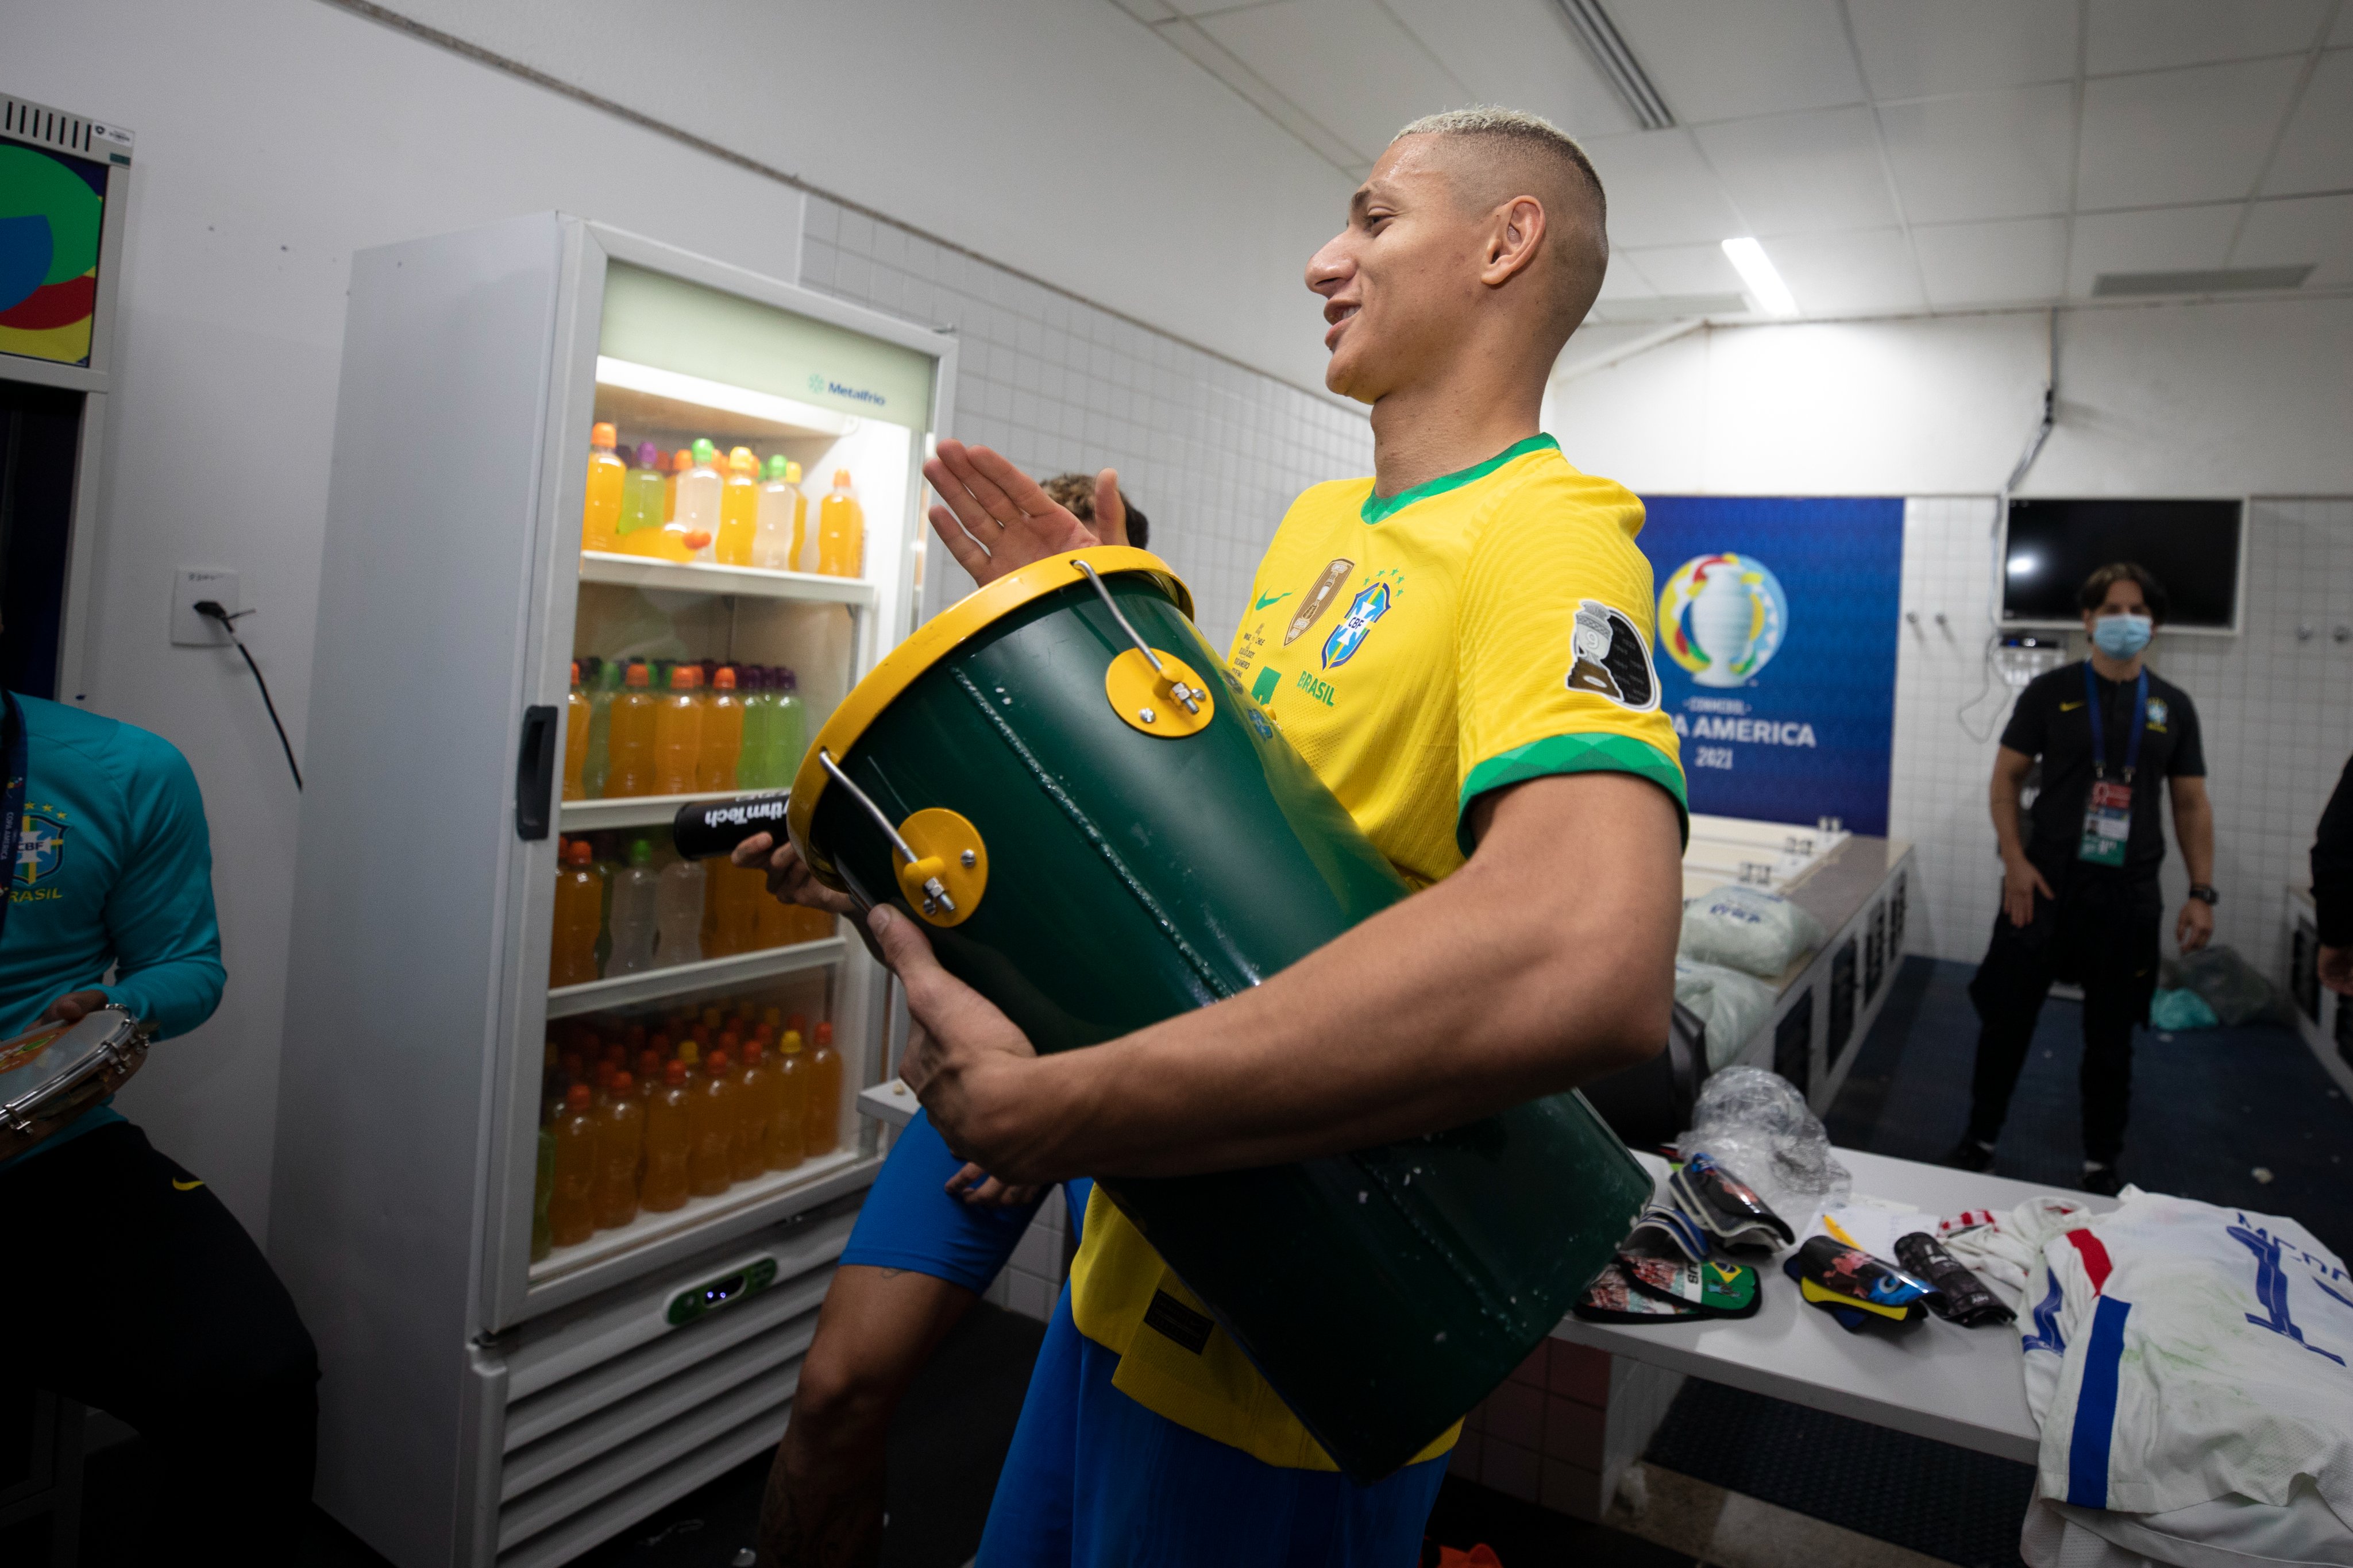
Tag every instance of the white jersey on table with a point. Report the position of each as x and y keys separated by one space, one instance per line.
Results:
x=2176 y=1352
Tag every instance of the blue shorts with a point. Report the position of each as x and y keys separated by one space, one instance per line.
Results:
x=911 y=1221
x=1095 y=1480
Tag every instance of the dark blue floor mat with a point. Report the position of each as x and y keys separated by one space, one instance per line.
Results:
x=2210 y=1107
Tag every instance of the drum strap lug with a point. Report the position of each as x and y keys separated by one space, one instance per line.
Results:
x=1177 y=688
x=924 y=873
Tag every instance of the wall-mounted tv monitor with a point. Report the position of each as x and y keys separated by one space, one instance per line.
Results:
x=2194 y=547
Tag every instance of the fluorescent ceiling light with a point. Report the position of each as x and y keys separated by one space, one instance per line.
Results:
x=2024 y=565
x=1756 y=269
x=695 y=389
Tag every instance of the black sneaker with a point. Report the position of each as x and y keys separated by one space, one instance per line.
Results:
x=2104 y=1180
x=1969 y=1155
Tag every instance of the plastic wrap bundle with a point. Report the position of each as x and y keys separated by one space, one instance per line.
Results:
x=1733 y=1005
x=2231 y=986
x=1755 y=1125
x=1748 y=929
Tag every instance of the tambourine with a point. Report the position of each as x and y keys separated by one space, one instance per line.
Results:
x=53 y=1072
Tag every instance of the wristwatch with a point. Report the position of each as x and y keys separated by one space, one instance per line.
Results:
x=2204 y=894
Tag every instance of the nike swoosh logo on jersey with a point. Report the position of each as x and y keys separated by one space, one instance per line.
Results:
x=1270 y=599
x=180 y=1186
x=2069 y=706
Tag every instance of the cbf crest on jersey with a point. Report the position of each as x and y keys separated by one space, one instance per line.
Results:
x=40 y=849
x=1611 y=659
x=1368 y=606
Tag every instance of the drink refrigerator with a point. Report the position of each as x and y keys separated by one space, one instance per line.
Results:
x=480 y=1405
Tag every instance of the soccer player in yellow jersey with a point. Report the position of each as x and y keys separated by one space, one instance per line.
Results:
x=1459 y=648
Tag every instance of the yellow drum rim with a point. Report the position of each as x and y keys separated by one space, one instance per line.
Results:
x=935 y=641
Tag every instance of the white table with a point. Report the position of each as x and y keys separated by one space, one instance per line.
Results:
x=1937 y=1380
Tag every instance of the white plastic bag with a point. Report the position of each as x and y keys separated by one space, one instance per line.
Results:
x=1757 y=1126
x=1748 y=929
x=1733 y=1005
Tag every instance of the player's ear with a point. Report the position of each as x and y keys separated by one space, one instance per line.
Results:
x=1518 y=232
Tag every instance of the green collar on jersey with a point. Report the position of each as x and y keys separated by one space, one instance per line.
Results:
x=1378 y=508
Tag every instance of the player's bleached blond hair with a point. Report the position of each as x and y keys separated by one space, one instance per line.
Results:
x=1532 y=132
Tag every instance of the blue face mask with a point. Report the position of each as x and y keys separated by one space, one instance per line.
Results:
x=2121 y=636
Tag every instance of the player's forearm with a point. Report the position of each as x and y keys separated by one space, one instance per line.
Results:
x=176 y=994
x=1533 y=969
x=2003 y=803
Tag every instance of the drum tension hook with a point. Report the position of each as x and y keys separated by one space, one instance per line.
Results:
x=935 y=893
x=1177 y=688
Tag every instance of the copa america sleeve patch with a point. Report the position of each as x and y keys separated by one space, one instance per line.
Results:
x=1611 y=659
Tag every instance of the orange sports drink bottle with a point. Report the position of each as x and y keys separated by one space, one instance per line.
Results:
x=739 y=508
x=629 y=736
x=620 y=1146
x=840 y=529
x=710 y=1130
x=571 y=1199
x=579 y=917
x=723 y=735
x=600 y=523
x=664 y=1187
x=824 y=1095
x=752 y=1082
x=575 y=739
x=677 y=734
x=788 y=1135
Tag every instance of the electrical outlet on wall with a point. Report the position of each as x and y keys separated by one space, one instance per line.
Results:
x=191 y=585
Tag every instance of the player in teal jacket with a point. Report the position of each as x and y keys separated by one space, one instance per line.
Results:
x=154 y=1304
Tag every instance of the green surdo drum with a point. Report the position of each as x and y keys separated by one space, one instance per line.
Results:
x=1099 y=831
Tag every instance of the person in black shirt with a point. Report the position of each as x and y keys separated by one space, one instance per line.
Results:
x=2332 y=885
x=2079 y=888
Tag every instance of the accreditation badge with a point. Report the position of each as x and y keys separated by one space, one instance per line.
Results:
x=2108 y=823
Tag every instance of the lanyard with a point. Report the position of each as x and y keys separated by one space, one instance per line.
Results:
x=2100 y=724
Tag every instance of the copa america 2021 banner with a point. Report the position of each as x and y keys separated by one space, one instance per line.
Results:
x=1777 y=651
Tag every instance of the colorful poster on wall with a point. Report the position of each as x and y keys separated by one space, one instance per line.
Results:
x=52 y=206
x=1777 y=651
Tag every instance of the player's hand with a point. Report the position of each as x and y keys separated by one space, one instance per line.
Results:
x=2020 y=882
x=2195 y=928
x=998 y=519
x=2336 y=969
x=965 y=1061
x=978 y=1188
x=73 y=1007
x=789 y=878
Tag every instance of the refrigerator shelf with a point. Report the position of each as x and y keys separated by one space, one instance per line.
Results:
x=648 y=1229
x=746 y=582
x=712 y=974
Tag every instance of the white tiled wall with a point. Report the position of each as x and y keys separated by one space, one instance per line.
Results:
x=1211 y=452
x=2277 y=711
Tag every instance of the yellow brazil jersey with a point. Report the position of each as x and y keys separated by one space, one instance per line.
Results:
x=1487 y=628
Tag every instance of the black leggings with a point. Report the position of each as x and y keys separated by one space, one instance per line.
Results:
x=135 y=1290
x=2103 y=935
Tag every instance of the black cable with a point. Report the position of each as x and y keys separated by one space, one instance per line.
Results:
x=211 y=610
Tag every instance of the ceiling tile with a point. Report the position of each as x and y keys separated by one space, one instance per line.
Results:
x=1344 y=62
x=1210 y=56
x=2316 y=153
x=1518 y=52
x=2145 y=35
x=2017 y=261
x=2341 y=35
x=1843 y=274
x=1661 y=190
x=1720 y=59
x=2169 y=239
x=2318 y=229
x=2180 y=136
x=1687 y=270
x=1798 y=174
x=1913 y=48
x=1147 y=10
x=1624 y=280
x=1984 y=155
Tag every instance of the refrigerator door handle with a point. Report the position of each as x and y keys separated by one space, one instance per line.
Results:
x=535 y=772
